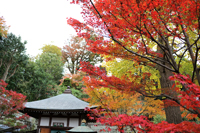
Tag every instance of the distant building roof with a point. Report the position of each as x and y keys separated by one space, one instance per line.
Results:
x=5 y=128
x=65 y=101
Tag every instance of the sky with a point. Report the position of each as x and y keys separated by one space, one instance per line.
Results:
x=40 y=22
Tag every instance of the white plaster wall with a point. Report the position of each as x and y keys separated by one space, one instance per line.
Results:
x=44 y=121
x=73 y=122
x=55 y=119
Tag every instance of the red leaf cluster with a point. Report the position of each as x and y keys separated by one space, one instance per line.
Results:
x=141 y=124
x=189 y=94
x=188 y=99
x=10 y=103
x=131 y=23
x=112 y=82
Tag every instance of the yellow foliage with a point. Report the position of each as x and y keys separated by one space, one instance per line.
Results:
x=51 y=49
x=123 y=103
x=3 y=27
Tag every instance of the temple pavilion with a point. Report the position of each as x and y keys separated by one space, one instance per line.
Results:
x=57 y=114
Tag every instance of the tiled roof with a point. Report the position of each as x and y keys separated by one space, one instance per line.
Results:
x=65 y=101
x=5 y=128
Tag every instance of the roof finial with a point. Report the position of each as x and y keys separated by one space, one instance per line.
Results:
x=67 y=91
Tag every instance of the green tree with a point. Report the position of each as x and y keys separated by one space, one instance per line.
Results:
x=36 y=78
x=32 y=81
x=42 y=85
x=12 y=55
x=49 y=48
x=51 y=64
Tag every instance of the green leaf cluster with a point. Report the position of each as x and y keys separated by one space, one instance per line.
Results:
x=49 y=48
x=36 y=78
x=51 y=63
x=12 y=55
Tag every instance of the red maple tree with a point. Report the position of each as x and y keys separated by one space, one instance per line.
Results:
x=157 y=33
x=187 y=99
x=10 y=103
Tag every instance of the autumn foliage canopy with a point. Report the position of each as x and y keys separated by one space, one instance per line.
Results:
x=157 y=33
x=186 y=100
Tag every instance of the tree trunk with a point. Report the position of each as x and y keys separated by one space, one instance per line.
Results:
x=173 y=113
x=4 y=77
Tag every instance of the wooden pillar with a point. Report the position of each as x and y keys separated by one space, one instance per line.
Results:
x=39 y=119
x=68 y=116
x=79 y=119
x=50 y=119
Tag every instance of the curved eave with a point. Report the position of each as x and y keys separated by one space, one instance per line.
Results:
x=59 y=110
x=55 y=110
x=37 y=112
x=52 y=110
